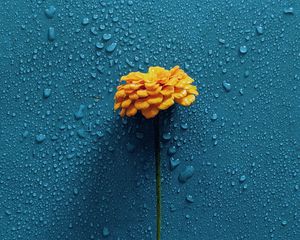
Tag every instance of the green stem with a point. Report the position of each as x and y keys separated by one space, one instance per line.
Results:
x=158 y=176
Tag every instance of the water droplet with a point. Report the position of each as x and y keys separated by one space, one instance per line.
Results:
x=105 y=232
x=51 y=34
x=166 y=136
x=80 y=113
x=106 y=36
x=174 y=163
x=189 y=198
x=47 y=92
x=184 y=126
x=289 y=10
x=242 y=178
x=283 y=222
x=40 y=138
x=247 y=73
x=186 y=174
x=243 y=49
x=227 y=86
x=99 y=45
x=85 y=21
x=50 y=12
x=172 y=150
x=81 y=133
x=25 y=134
x=259 y=30
x=214 y=117
x=99 y=134
x=111 y=47
x=8 y=212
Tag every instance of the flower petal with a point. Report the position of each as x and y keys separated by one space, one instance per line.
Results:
x=132 y=86
x=126 y=103
x=133 y=76
x=167 y=90
x=179 y=93
x=141 y=104
x=150 y=112
x=186 y=101
x=131 y=111
x=155 y=91
x=151 y=85
x=142 y=93
x=193 y=91
x=117 y=105
x=120 y=94
x=168 y=102
x=133 y=96
x=172 y=82
x=122 y=112
x=155 y=99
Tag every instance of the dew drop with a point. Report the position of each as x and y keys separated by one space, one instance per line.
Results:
x=51 y=34
x=227 y=86
x=243 y=49
x=186 y=174
x=47 y=92
x=40 y=138
x=50 y=11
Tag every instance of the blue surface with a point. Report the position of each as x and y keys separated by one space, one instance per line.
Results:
x=242 y=136
x=70 y=168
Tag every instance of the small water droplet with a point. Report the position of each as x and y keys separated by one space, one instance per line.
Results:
x=51 y=34
x=174 y=163
x=172 y=150
x=283 y=222
x=85 y=21
x=47 y=92
x=189 y=198
x=184 y=126
x=214 y=117
x=186 y=174
x=242 y=178
x=81 y=133
x=259 y=30
x=106 y=36
x=243 y=49
x=166 y=136
x=40 y=138
x=80 y=113
x=227 y=86
x=50 y=12
x=105 y=232
x=111 y=47
x=288 y=10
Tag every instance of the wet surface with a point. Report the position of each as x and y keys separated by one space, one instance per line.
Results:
x=70 y=168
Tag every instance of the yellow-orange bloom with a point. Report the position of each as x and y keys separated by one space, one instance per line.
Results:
x=156 y=90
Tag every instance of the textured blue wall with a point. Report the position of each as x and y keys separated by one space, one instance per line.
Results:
x=70 y=168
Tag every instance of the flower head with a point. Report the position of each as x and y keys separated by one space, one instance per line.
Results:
x=156 y=90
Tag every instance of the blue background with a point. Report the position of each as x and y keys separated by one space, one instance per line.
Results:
x=70 y=168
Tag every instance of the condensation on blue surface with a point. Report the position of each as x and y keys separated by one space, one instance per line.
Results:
x=71 y=169
x=242 y=136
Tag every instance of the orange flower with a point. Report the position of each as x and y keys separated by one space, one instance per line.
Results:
x=156 y=90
